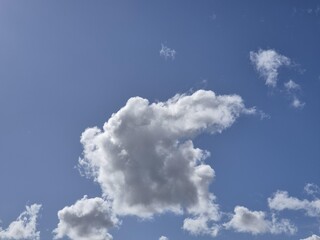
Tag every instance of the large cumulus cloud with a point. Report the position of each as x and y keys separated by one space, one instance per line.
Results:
x=144 y=158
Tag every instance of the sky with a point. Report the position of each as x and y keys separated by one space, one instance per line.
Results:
x=162 y=120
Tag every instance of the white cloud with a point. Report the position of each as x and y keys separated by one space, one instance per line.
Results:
x=267 y=63
x=144 y=158
x=255 y=222
x=88 y=218
x=24 y=228
x=163 y=238
x=281 y=201
x=297 y=103
x=291 y=85
x=313 y=237
x=200 y=226
x=167 y=52
x=312 y=189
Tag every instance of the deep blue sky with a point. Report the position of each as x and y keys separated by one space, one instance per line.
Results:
x=68 y=65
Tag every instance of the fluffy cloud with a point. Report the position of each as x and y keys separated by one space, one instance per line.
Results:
x=267 y=63
x=281 y=201
x=313 y=237
x=88 y=218
x=144 y=158
x=24 y=228
x=163 y=238
x=255 y=222
x=167 y=52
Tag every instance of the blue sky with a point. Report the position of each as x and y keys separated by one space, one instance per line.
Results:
x=247 y=78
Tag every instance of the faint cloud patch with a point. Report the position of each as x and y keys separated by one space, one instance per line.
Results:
x=213 y=16
x=312 y=189
x=311 y=11
x=167 y=52
x=292 y=89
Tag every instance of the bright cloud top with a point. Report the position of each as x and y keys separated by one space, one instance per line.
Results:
x=88 y=218
x=281 y=201
x=24 y=228
x=267 y=63
x=163 y=238
x=145 y=161
x=167 y=52
x=256 y=222
x=313 y=237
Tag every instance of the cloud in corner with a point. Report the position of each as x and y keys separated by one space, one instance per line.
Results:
x=25 y=227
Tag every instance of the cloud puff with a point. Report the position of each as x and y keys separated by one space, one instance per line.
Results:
x=88 y=218
x=312 y=189
x=167 y=52
x=24 y=228
x=144 y=158
x=281 y=201
x=200 y=226
x=267 y=63
x=255 y=222
x=291 y=88
x=313 y=237
x=297 y=103
x=163 y=238
x=291 y=85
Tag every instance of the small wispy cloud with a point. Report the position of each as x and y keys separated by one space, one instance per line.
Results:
x=297 y=103
x=291 y=85
x=167 y=52
x=315 y=10
x=24 y=228
x=267 y=63
x=292 y=88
